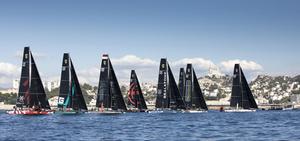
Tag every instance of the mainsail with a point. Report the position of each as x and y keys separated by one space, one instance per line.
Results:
x=70 y=94
x=109 y=93
x=181 y=82
x=168 y=95
x=135 y=95
x=193 y=97
x=31 y=90
x=241 y=94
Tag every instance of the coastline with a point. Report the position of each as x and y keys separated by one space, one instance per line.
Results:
x=6 y=107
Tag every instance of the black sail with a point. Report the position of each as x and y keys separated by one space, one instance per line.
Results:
x=31 y=90
x=176 y=100
x=109 y=93
x=103 y=95
x=117 y=97
x=198 y=95
x=70 y=94
x=194 y=98
x=189 y=90
x=181 y=83
x=241 y=95
x=135 y=95
x=37 y=91
x=23 y=94
x=162 y=97
x=78 y=99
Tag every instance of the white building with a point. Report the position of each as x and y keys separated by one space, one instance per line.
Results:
x=50 y=85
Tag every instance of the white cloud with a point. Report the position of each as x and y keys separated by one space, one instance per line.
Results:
x=8 y=72
x=227 y=66
x=133 y=61
x=198 y=63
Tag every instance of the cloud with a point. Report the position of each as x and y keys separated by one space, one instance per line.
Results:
x=8 y=72
x=227 y=66
x=133 y=61
x=198 y=63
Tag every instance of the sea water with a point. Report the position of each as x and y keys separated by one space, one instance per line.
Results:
x=261 y=125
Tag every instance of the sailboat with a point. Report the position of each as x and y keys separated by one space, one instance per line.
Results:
x=136 y=101
x=168 y=98
x=193 y=95
x=242 y=99
x=109 y=96
x=32 y=99
x=70 y=100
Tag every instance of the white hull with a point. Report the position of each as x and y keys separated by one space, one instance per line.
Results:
x=107 y=112
x=162 y=111
x=194 y=111
x=240 y=110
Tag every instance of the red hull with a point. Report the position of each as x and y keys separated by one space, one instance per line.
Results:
x=28 y=112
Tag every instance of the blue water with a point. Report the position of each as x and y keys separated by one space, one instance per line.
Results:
x=263 y=125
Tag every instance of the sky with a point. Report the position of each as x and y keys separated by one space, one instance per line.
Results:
x=262 y=35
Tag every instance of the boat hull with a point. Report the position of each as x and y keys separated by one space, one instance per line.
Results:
x=240 y=110
x=107 y=112
x=163 y=111
x=69 y=112
x=28 y=112
x=194 y=111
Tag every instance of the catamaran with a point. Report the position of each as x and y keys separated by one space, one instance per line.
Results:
x=242 y=99
x=168 y=98
x=109 y=96
x=193 y=95
x=70 y=100
x=136 y=101
x=32 y=99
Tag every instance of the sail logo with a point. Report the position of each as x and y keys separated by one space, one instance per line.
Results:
x=21 y=99
x=61 y=100
x=24 y=64
x=104 y=62
x=66 y=61
x=163 y=66
x=26 y=56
